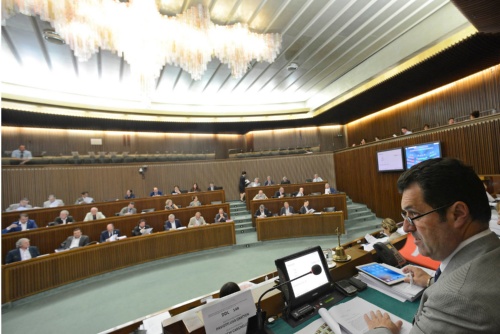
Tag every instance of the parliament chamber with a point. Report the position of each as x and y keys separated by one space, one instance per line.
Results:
x=356 y=85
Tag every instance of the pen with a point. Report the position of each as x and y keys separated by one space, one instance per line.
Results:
x=411 y=279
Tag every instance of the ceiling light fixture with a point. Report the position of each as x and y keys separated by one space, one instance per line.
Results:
x=51 y=36
x=148 y=40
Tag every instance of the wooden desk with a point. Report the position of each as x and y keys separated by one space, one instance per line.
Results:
x=310 y=187
x=47 y=239
x=316 y=202
x=25 y=278
x=43 y=216
x=296 y=226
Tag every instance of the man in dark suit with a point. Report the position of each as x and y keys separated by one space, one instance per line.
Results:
x=22 y=252
x=110 y=231
x=212 y=187
x=262 y=212
x=77 y=240
x=329 y=190
x=155 y=192
x=64 y=218
x=23 y=224
x=285 y=180
x=280 y=193
x=286 y=210
x=306 y=208
x=221 y=217
x=172 y=223
x=447 y=212
x=269 y=181
x=141 y=228
x=128 y=210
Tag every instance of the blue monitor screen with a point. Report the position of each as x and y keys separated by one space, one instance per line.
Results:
x=421 y=152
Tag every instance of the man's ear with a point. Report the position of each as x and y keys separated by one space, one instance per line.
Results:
x=461 y=214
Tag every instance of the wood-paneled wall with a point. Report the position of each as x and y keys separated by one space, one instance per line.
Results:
x=477 y=143
x=480 y=91
x=111 y=181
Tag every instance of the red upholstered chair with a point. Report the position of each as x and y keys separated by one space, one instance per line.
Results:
x=410 y=253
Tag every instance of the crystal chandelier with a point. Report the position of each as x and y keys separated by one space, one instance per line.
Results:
x=148 y=40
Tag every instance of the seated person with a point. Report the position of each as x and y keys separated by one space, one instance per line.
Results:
x=269 y=181
x=52 y=202
x=390 y=229
x=176 y=191
x=195 y=201
x=21 y=155
x=110 y=231
x=285 y=180
x=141 y=228
x=280 y=193
x=155 y=192
x=94 y=214
x=317 y=178
x=260 y=195
x=212 y=187
x=329 y=190
x=64 y=218
x=300 y=193
x=286 y=210
x=129 y=209
x=228 y=289
x=84 y=198
x=22 y=252
x=169 y=205
x=129 y=194
x=306 y=208
x=23 y=224
x=172 y=223
x=194 y=188
x=262 y=212
x=255 y=183
x=22 y=205
x=77 y=240
x=221 y=217
x=197 y=220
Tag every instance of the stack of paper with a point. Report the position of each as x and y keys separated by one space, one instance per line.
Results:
x=401 y=291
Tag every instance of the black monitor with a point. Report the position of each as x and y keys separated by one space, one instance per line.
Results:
x=307 y=288
x=390 y=160
x=421 y=152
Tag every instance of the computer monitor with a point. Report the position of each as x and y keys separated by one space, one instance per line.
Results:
x=421 y=152
x=390 y=160
x=310 y=287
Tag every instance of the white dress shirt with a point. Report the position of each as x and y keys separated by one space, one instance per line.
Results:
x=25 y=254
x=75 y=243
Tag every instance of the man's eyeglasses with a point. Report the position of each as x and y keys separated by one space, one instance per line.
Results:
x=411 y=220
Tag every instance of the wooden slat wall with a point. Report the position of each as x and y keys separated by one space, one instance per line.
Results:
x=480 y=91
x=475 y=142
x=59 y=269
x=111 y=181
x=49 y=239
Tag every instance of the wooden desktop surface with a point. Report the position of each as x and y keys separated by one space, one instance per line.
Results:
x=43 y=216
x=317 y=202
x=47 y=239
x=296 y=226
x=25 y=278
x=309 y=187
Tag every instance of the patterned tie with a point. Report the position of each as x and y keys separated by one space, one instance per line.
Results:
x=438 y=273
x=22 y=155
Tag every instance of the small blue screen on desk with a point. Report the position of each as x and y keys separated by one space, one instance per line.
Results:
x=382 y=273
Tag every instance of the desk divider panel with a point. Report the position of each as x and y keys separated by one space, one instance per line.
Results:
x=47 y=239
x=309 y=187
x=43 y=216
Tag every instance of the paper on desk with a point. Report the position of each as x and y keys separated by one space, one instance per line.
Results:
x=153 y=324
x=350 y=316
x=371 y=241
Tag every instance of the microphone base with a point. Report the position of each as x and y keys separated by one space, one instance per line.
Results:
x=256 y=324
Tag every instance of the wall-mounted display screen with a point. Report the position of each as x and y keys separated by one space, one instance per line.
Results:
x=390 y=160
x=421 y=152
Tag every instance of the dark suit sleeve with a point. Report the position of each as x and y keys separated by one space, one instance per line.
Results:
x=34 y=251
x=268 y=213
x=302 y=210
x=291 y=209
x=103 y=236
x=34 y=225
x=13 y=256
x=85 y=240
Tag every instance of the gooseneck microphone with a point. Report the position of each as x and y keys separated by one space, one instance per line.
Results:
x=260 y=315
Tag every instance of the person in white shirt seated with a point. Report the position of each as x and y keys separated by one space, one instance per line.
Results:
x=300 y=193
x=22 y=252
x=260 y=195
x=22 y=155
x=52 y=202
x=255 y=183
x=197 y=220
x=317 y=178
x=77 y=240
x=64 y=218
x=22 y=205
x=329 y=190
x=172 y=223
x=287 y=210
x=23 y=224
x=85 y=198
x=94 y=214
x=269 y=181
